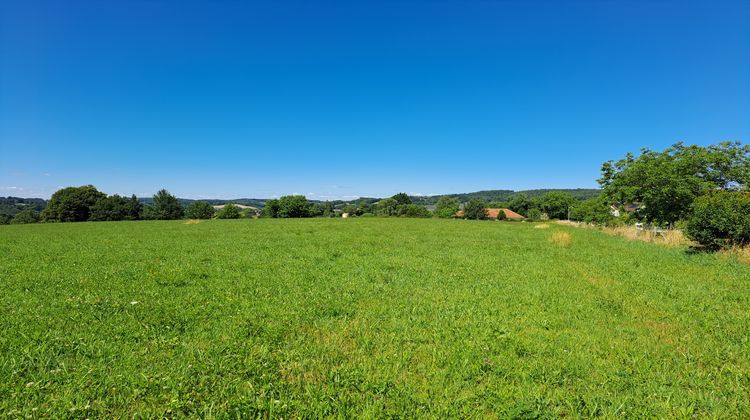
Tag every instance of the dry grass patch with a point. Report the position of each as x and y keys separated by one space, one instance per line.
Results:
x=670 y=237
x=741 y=254
x=541 y=226
x=192 y=221
x=560 y=238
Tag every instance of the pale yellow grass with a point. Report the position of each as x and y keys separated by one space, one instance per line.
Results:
x=670 y=237
x=541 y=226
x=192 y=221
x=560 y=238
x=741 y=254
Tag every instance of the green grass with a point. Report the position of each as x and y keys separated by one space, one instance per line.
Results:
x=365 y=318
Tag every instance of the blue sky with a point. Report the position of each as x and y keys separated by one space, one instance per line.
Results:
x=331 y=99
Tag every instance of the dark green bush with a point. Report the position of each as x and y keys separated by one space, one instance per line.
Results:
x=199 y=210
x=501 y=215
x=415 y=210
x=229 y=211
x=720 y=220
x=534 y=214
x=26 y=216
x=475 y=209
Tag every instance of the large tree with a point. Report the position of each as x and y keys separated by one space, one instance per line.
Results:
x=666 y=183
x=387 y=207
x=557 y=204
x=402 y=198
x=475 y=209
x=270 y=209
x=447 y=206
x=165 y=207
x=292 y=206
x=520 y=203
x=110 y=208
x=72 y=204
x=133 y=209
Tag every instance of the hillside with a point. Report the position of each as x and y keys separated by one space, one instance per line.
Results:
x=503 y=195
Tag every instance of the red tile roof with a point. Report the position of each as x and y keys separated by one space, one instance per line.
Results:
x=492 y=214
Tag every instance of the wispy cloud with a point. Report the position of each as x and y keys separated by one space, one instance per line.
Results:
x=13 y=188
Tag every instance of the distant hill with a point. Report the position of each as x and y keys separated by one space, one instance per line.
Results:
x=12 y=205
x=252 y=202
x=504 y=195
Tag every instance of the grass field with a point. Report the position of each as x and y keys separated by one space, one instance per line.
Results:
x=366 y=318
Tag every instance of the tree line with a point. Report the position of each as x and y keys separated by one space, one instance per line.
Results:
x=703 y=190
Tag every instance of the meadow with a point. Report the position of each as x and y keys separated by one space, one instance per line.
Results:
x=366 y=317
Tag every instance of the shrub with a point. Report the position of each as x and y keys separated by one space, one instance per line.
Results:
x=475 y=209
x=199 y=210
x=25 y=216
x=415 y=210
x=501 y=215
x=534 y=214
x=229 y=211
x=720 y=220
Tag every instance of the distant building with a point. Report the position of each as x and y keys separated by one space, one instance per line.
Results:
x=628 y=208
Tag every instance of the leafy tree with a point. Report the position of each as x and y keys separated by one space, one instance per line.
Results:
x=352 y=210
x=534 y=214
x=402 y=198
x=229 y=211
x=293 y=206
x=475 y=209
x=165 y=206
x=666 y=183
x=327 y=209
x=556 y=204
x=26 y=216
x=593 y=210
x=520 y=203
x=447 y=206
x=501 y=215
x=110 y=208
x=249 y=213
x=199 y=210
x=5 y=218
x=720 y=219
x=72 y=204
x=133 y=209
x=415 y=210
x=271 y=209
x=387 y=207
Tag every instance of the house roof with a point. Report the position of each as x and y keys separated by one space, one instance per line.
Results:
x=492 y=214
